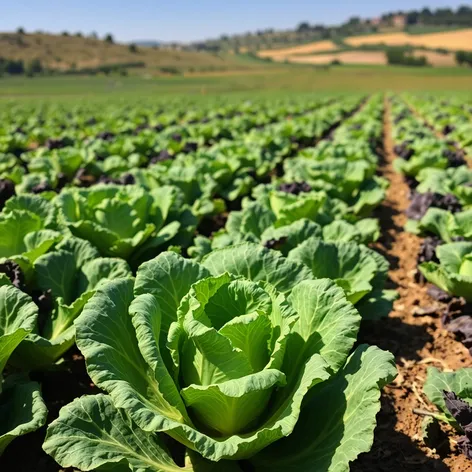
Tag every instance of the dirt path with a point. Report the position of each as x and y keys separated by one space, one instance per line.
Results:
x=416 y=341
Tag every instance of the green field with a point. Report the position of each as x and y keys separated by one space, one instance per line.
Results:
x=265 y=81
x=224 y=272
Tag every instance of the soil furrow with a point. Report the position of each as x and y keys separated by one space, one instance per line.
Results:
x=416 y=340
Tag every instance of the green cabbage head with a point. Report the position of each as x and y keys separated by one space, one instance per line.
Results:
x=226 y=357
x=126 y=221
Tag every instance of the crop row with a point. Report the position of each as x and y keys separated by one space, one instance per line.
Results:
x=214 y=274
x=205 y=346
x=436 y=169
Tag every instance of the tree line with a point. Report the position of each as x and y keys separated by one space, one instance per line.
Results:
x=18 y=67
x=426 y=18
x=460 y=17
x=464 y=58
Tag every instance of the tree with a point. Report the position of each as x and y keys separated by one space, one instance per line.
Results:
x=303 y=27
x=33 y=68
x=109 y=38
x=399 y=56
x=13 y=67
x=20 y=30
x=78 y=34
x=65 y=33
x=464 y=10
x=133 y=48
x=412 y=18
x=464 y=58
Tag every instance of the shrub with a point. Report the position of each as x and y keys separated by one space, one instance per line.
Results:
x=399 y=56
x=464 y=58
x=33 y=68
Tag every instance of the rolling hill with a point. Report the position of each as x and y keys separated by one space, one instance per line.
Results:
x=67 y=52
x=438 y=48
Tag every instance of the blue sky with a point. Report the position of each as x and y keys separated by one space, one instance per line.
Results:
x=186 y=20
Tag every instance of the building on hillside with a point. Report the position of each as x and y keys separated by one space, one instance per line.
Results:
x=399 y=21
x=376 y=21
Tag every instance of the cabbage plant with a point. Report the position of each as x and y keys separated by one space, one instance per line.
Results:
x=453 y=274
x=451 y=394
x=257 y=223
x=126 y=221
x=22 y=409
x=27 y=230
x=237 y=358
x=360 y=271
x=448 y=226
x=69 y=275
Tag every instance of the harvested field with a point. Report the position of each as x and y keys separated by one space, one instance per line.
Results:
x=281 y=54
x=348 y=57
x=437 y=59
x=452 y=40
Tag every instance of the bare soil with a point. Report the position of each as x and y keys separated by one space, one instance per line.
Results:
x=417 y=341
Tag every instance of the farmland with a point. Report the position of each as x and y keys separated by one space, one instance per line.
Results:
x=62 y=53
x=451 y=40
x=438 y=48
x=268 y=272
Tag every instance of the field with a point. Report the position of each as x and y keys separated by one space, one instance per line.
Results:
x=450 y=40
x=347 y=57
x=324 y=52
x=280 y=54
x=294 y=78
x=264 y=272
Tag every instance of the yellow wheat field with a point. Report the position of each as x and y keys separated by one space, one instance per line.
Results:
x=453 y=40
x=280 y=54
x=370 y=57
x=347 y=57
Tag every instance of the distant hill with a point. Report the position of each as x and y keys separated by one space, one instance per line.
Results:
x=412 y=21
x=437 y=48
x=68 y=53
x=148 y=43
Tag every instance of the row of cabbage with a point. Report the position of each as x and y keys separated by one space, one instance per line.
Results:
x=449 y=116
x=88 y=157
x=230 y=352
x=440 y=183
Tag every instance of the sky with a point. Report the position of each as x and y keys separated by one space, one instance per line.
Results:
x=188 y=20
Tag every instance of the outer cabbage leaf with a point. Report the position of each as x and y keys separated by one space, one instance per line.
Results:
x=22 y=410
x=257 y=264
x=338 y=418
x=454 y=272
x=17 y=319
x=91 y=433
x=447 y=225
x=353 y=267
x=437 y=382
x=72 y=274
